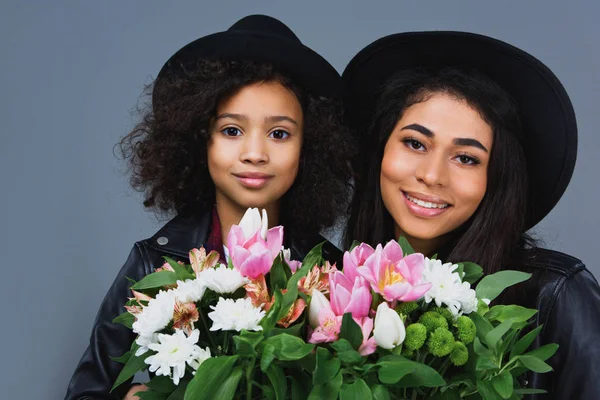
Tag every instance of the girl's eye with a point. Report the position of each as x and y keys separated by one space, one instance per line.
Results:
x=467 y=160
x=279 y=134
x=231 y=131
x=413 y=144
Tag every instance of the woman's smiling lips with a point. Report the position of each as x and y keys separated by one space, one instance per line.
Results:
x=253 y=180
x=423 y=205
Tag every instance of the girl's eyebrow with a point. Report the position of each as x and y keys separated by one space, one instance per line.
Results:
x=244 y=118
x=279 y=118
x=458 y=141
x=239 y=117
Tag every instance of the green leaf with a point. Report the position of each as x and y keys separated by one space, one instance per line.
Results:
x=390 y=372
x=492 y=285
x=407 y=249
x=354 y=244
x=126 y=319
x=407 y=373
x=482 y=325
x=544 y=352
x=350 y=357
x=485 y=364
x=524 y=343
x=380 y=392
x=472 y=272
x=246 y=343
x=179 y=392
x=508 y=341
x=493 y=337
x=277 y=378
x=133 y=366
x=228 y=388
x=503 y=383
x=351 y=331
x=314 y=257
x=288 y=347
x=180 y=270
x=268 y=355
x=270 y=319
x=341 y=345
x=358 y=390
x=327 y=367
x=277 y=276
x=301 y=385
x=161 y=384
x=156 y=280
x=329 y=390
x=486 y=390
x=124 y=358
x=535 y=364
x=481 y=350
x=516 y=313
x=150 y=395
x=211 y=374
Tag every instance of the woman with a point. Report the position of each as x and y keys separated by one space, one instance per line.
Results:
x=470 y=142
x=249 y=117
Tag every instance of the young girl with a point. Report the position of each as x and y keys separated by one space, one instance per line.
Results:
x=468 y=143
x=249 y=117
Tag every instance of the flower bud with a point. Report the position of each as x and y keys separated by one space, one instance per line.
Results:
x=389 y=329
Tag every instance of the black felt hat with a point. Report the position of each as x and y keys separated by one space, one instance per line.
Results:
x=263 y=39
x=546 y=112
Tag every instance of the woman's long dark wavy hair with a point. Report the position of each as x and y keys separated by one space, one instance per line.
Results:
x=167 y=150
x=494 y=236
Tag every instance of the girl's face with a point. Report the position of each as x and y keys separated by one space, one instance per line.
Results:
x=434 y=169
x=254 y=146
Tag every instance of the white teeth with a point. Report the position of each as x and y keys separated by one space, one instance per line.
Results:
x=426 y=204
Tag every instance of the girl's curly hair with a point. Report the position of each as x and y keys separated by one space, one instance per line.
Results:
x=167 y=150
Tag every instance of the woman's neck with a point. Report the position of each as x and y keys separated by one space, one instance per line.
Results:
x=231 y=214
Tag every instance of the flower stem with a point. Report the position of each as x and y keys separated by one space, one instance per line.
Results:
x=210 y=338
x=249 y=371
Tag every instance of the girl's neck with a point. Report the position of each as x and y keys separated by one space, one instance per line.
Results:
x=231 y=214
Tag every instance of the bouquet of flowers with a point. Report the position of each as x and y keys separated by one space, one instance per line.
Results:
x=391 y=324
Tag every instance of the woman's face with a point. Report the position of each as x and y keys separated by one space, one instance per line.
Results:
x=434 y=169
x=254 y=146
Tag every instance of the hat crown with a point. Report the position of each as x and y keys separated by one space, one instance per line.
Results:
x=265 y=25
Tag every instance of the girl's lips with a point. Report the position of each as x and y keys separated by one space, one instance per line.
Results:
x=253 y=180
x=423 y=212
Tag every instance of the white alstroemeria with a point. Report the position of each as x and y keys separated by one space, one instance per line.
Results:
x=318 y=301
x=190 y=290
x=174 y=351
x=156 y=315
x=389 y=330
x=223 y=279
x=235 y=315
x=252 y=222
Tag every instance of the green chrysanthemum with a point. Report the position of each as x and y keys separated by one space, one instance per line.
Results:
x=444 y=312
x=416 y=334
x=441 y=342
x=433 y=321
x=406 y=308
x=459 y=355
x=466 y=329
x=408 y=353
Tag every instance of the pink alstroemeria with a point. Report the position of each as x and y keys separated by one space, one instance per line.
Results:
x=349 y=296
x=356 y=258
x=328 y=329
x=368 y=345
x=394 y=276
x=253 y=255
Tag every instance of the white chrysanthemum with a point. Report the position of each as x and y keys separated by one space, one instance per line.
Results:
x=223 y=279
x=447 y=288
x=173 y=352
x=156 y=315
x=190 y=290
x=236 y=315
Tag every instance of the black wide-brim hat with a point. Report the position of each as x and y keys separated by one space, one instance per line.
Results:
x=546 y=112
x=262 y=39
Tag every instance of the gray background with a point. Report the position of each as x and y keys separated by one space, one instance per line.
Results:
x=70 y=75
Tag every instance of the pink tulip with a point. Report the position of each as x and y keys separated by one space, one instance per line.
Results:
x=368 y=345
x=254 y=256
x=349 y=296
x=394 y=276
x=356 y=258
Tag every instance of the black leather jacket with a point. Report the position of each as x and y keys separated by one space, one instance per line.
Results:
x=96 y=372
x=568 y=299
x=562 y=289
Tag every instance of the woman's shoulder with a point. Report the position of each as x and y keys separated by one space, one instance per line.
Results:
x=552 y=262
x=178 y=236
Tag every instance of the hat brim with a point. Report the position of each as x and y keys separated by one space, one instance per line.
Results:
x=300 y=62
x=545 y=109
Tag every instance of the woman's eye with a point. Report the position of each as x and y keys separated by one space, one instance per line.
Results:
x=467 y=160
x=414 y=144
x=231 y=131
x=279 y=134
